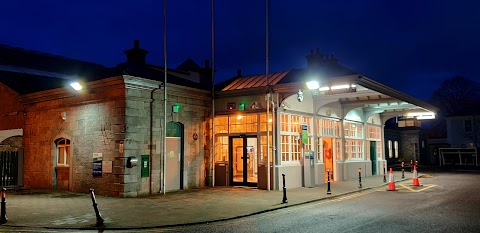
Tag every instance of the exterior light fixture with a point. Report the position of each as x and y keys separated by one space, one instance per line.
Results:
x=313 y=85
x=421 y=115
x=77 y=86
x=300 y=96
x=270 y=120
x=241 y=107
x=340 y=87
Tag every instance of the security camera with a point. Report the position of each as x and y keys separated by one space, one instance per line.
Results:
x=300 y=96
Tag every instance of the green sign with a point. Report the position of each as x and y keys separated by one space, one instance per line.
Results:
x=305 y=134
x=145 y=166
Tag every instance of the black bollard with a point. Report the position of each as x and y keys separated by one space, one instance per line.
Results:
x=359 y=178
x=328 y=183
x=411 y=165
x=403 y=170
x=95 y=207
x=284 y=191
x=3 y=217
x=384 y=174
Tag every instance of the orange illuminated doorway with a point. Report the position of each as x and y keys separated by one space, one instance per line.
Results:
x=243 y=157
x=328 y=157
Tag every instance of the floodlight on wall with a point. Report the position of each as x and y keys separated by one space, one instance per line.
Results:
x=313 y=85
x=77 y=86
x=337 y=87
x=421 y=115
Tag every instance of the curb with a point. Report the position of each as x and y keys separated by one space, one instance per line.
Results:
x=103 y=227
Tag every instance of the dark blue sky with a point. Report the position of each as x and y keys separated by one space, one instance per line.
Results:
x=409 y=45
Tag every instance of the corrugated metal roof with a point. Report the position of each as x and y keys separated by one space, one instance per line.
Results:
x=255 y=81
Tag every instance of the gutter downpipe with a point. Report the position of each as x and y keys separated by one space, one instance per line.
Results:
x=151 y=138
x=164 y=94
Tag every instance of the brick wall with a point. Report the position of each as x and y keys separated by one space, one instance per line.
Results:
x=11 y=115
x=92 y=124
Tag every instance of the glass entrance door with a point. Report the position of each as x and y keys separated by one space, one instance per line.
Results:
x=244 y=161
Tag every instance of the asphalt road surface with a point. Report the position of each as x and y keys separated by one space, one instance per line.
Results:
x=446 y=202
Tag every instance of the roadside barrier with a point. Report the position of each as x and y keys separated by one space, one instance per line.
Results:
x=284 y=200
x=328 y=184
x=415 y=181
x=95 y=207
x=359 y=178
x=403 y=170
x=3 y=217
x=391 y=182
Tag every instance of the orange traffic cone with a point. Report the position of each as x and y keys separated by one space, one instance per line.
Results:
x=391 y=182
x=415 y=177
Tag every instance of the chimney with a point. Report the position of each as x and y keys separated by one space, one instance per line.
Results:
x=136 y=55
x=239 y=73
x=314 y=60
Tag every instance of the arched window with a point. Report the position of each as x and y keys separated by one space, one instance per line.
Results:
x=390 y=150
x=63 y=152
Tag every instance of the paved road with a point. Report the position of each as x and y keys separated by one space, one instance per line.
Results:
x=445 y=203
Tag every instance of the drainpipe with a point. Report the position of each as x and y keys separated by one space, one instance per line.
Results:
x=151 y=138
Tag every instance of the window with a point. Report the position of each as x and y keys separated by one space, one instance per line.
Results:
x=354 y=149
x=291 y=136
x=390 y=152
x=221 y=148
x=63 y=152
x=353 y=130
x=468 y=126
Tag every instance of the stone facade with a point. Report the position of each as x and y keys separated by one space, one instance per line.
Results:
x=117 y=117
x=89 y=120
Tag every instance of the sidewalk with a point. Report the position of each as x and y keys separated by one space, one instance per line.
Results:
x=75 y=211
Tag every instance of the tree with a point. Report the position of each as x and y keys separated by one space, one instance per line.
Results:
x=456 y=95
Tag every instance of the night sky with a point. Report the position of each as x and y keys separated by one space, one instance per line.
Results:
x=409 y=45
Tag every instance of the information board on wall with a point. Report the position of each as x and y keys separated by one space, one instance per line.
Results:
x=97 y=164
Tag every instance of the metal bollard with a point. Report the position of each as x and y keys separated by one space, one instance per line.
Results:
x=411 y=165
x=403 y=170
x=3 y=217
x=95 y=207
x=284 y=191
x=328 y=183
x=359 y=178
x=384 y=173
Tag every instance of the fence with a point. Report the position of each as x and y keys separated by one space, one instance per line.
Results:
x=458 y=156
x=9 y=168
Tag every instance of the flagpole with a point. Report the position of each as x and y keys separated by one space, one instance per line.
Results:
x=268 y=95
x=164 y=92
x=213 y=94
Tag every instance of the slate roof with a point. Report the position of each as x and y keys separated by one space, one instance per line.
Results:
x=28 y=71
